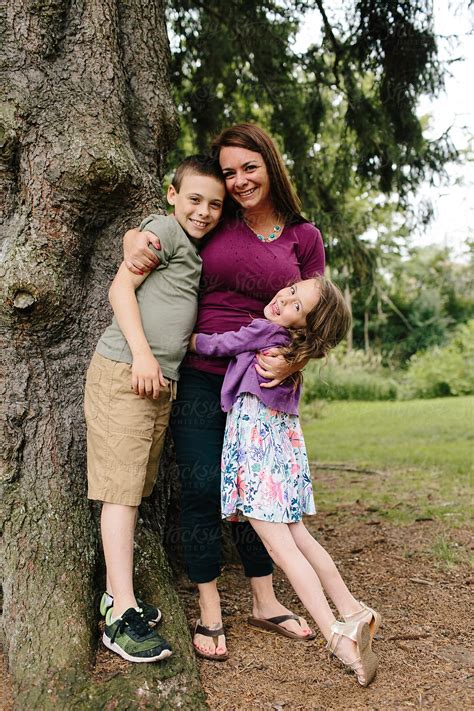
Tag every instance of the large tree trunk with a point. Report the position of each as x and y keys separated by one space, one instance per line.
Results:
x=85 y=120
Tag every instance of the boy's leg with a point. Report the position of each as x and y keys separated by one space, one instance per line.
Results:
x=120 y=428
x=118 y=528
x=108 y=583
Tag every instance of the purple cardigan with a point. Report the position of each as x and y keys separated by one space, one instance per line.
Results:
x=241 y=376
x=240 y=274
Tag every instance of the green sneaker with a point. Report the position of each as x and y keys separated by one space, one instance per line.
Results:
x=131 y=637
x=151 y=614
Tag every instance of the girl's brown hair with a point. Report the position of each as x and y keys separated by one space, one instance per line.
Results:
x=283 y=195
x=326 y=325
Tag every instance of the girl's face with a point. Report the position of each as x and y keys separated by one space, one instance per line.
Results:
x=292 y=304
x=246 y=177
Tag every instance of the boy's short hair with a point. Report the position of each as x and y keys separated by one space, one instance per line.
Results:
x=198 y=164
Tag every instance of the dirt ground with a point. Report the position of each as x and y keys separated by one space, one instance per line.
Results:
x=423 y=645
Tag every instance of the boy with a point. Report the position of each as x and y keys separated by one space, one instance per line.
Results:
x=129 y=387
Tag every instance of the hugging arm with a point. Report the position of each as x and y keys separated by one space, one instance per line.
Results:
x=231 y=343
x=138 y=257
x=275 y=368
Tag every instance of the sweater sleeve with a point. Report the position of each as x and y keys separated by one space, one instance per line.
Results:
x=259 y=334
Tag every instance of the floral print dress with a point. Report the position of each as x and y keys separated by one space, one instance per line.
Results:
x=265 y=472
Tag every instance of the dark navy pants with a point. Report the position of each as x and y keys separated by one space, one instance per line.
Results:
x=198 y=424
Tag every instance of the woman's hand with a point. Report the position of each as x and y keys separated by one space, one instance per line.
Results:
x=273 y=366
x=137 y=256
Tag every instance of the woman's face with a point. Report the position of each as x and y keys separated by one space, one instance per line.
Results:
x=246 y=177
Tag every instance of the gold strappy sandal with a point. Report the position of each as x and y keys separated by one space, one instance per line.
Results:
x=359 y=632
x=374 y=623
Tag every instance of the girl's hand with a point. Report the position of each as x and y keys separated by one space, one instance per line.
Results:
x=273 y=366
x=192 y=343
x=137 y=256
x=147 y=377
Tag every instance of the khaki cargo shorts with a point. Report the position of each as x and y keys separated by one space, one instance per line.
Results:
x=125 y=433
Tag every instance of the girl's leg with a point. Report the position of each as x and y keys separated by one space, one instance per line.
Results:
x=258 y=567
x=280 y=544
x=326 y=570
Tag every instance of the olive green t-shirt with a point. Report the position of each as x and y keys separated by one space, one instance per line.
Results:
x=167 y=300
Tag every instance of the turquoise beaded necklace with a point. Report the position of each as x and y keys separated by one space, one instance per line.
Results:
x=272 y=236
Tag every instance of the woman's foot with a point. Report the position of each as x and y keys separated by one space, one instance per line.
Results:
x=216 y=634
x=210 y=605
x=266 y=611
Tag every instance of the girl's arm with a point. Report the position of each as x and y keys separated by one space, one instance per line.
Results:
x=147 y=377
x=248 y=338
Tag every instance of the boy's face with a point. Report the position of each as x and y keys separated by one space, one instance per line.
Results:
x=198 y=205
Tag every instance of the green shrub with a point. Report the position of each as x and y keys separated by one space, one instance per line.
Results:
x=443 y=371
x=348 y=376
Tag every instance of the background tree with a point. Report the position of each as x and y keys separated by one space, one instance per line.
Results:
x=85 y=122
x=343 y=111
x=417 y=302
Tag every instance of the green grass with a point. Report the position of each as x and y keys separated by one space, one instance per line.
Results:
x=423 y=447
x=449 y=553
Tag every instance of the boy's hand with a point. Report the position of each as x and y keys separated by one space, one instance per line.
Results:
x=147 y=377
x=136 y=253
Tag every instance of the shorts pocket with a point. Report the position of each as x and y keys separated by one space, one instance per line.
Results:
x=131 y=448
x=92 y=392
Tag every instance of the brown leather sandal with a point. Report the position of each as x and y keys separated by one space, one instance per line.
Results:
x=273 y=624
x=215 y=634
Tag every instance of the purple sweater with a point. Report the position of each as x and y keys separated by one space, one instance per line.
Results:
x=241 y=376
x=241 y=274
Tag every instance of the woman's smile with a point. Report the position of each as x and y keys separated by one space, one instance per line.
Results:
x=246 y=176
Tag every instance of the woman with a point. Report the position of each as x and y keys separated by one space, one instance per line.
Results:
x=261 y=246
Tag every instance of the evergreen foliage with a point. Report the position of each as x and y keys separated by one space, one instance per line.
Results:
x=344 y=115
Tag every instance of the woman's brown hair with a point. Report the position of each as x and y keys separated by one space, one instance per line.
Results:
x=326 y=325
x=250 y=136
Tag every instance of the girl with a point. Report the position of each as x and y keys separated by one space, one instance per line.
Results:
x=265 y=473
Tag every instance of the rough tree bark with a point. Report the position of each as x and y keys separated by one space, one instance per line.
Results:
x=85 y=119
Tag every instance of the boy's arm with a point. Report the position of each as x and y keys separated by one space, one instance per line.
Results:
x=146 y=372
